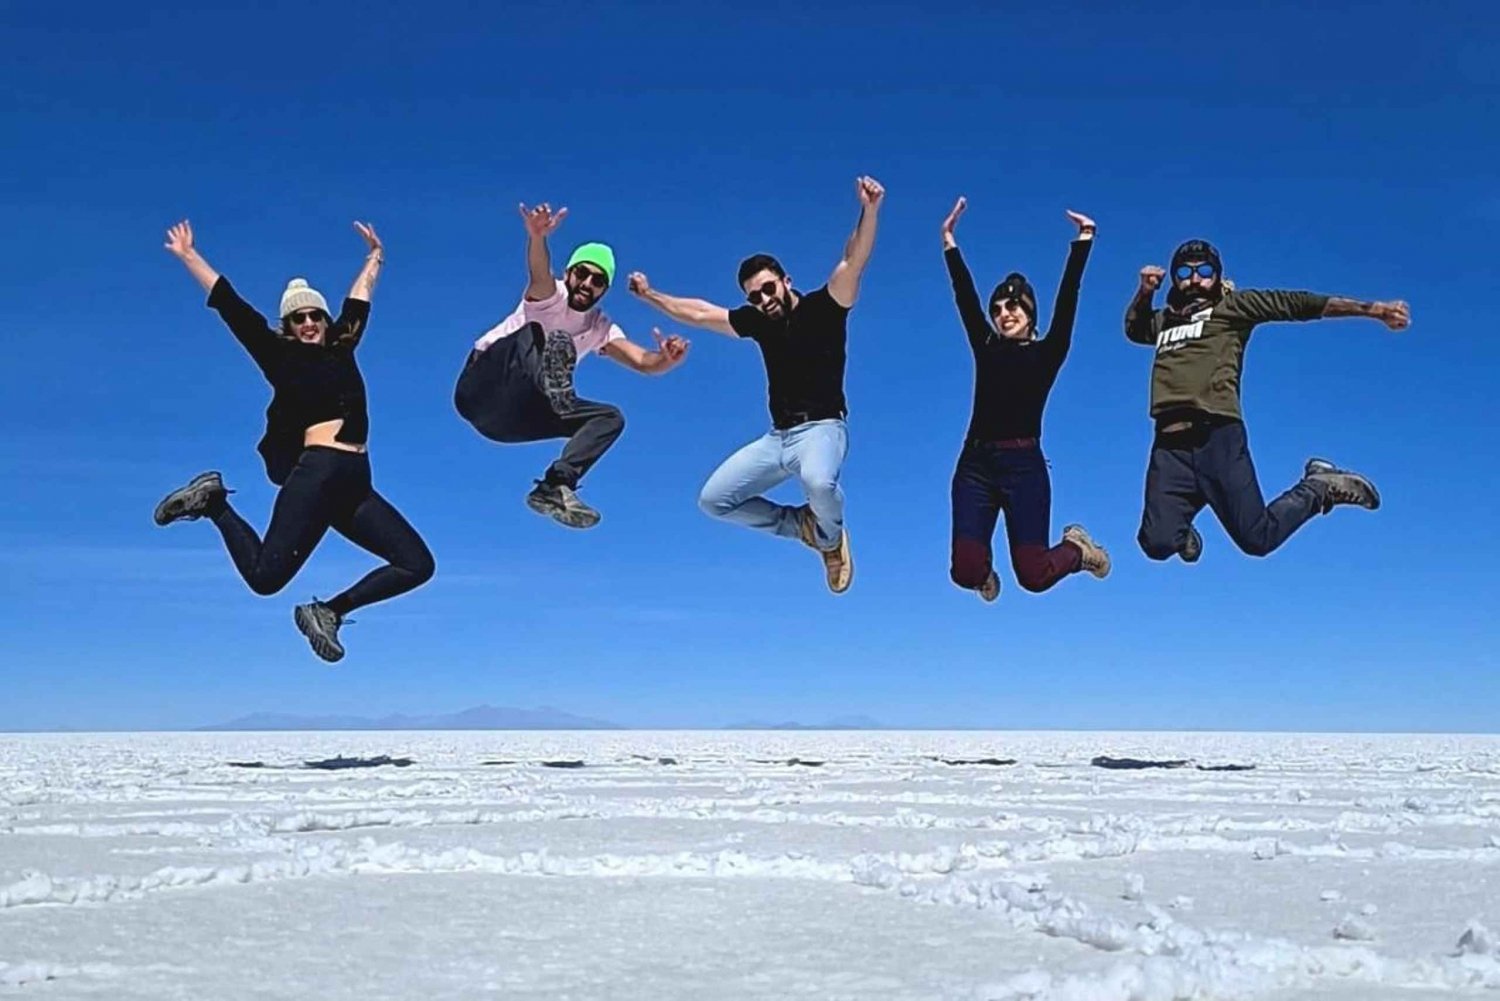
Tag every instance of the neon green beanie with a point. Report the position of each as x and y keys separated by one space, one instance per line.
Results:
x=597 y=254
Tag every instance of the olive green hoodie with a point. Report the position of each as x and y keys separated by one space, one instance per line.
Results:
x=1201 y=351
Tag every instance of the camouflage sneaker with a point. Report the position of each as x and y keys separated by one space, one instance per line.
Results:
x=320 y=624
x=1095 y=559
x=990 y=589
x=559 y=358
x=1341 y=486
x=192 y=501
x=1192 y=546
x=561 y=504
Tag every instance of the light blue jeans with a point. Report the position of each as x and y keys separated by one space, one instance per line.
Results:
x=813 y=452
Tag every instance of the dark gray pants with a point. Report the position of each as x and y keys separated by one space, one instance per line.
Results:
x=1209 y=463
x=500 y=394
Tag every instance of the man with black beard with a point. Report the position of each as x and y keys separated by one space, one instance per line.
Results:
x=517 y=385
x=1201 y=454
x=801 y=337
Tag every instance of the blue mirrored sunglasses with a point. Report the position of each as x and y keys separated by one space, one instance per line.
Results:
x=1184 y=271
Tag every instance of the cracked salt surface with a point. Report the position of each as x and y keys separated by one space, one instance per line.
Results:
x=144 y=866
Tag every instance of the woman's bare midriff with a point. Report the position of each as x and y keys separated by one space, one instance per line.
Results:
x=324 y=434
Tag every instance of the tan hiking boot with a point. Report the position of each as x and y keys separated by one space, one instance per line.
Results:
x=838 y=563
x=1095 y=559
x=990 y=589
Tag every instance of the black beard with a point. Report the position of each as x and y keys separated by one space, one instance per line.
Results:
x=574 y=299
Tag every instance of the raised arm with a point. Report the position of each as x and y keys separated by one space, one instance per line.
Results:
x=1138 y=315
x=180 y=243
x=843 y=284
x=965 y=296
x=668 y=355
x=1395 y=315
x=248 y=326
x=1065 y=308
x=695 y=312
x=541 y=222
x=364 y=283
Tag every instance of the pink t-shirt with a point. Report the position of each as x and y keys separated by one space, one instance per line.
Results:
x=590 y=330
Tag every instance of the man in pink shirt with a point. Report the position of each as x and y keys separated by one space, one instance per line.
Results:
x=517 y=385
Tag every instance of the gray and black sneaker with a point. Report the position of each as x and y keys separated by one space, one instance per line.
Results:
x=320 y=624
x=561 y=504
x=1192 y=546
x=192 y=501
x=1341 y=486
x=990 y=589
x=559 y=358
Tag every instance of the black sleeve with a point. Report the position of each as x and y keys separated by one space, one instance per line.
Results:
x=966 y=298
x=1065 y=309
x=247 y=325
x=746 y=321
x=350 y=326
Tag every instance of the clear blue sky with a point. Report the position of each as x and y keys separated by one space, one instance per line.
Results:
x=1346 y=155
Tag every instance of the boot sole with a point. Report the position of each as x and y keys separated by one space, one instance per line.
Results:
x=557 y=375
x=321 y=646
x=176 y=504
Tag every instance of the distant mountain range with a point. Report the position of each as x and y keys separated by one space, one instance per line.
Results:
x=837 y=723
x=478 y=718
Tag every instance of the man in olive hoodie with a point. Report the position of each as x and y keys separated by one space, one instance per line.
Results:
x=1200 y=454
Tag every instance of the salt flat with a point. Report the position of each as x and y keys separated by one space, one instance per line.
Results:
x=699 y=865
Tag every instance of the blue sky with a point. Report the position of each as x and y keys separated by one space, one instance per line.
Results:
x=1344 y=155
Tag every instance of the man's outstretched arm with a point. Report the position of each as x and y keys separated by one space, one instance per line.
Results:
x=1395 y=315
x=669 y=353
x=695 y=312
x=540 y=222
x=843 y=284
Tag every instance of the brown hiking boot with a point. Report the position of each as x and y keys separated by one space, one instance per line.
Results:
x=1095 y=559
x=838 y=563
x=990 y=589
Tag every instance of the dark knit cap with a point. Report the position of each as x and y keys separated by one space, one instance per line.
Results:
x=1015 y=286
x=1196 y=250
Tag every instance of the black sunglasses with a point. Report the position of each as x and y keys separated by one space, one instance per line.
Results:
x=766 y=291
x=590 y=277
x=307 y=316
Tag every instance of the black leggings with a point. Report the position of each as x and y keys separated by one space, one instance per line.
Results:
x=328 y=488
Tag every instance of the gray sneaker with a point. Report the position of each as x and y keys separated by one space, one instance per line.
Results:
x=320 y=624
x=1095 y=559
x=559 y=358
x=561 y=504
x=192 y=501
x=1341 y=486
x=990 y=589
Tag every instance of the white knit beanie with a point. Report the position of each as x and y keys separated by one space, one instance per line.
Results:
x=299 y=296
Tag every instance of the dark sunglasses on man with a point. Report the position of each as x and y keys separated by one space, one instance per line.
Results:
x=1185 y=271
x=590 y=277
x=766 y=291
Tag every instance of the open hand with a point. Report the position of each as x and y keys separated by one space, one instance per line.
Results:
x=367 y=231
x=180 y=239
x=541 y=221
x=1085 y=225
x=1395 y=315
x=870 y=192
x=1151 y=277
x=638 y=284
x=673 y=348
x=952 y=221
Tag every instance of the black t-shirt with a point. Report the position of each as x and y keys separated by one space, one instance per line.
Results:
x=312 y=383
x=804 y=356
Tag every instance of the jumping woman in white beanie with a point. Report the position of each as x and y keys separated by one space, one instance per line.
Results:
x=314 y=448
